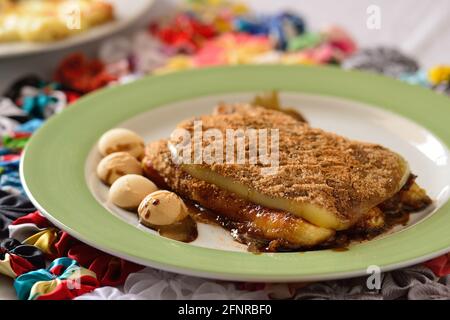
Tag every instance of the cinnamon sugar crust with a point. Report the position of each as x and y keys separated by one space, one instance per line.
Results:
x=342 y=176
x=251 y=219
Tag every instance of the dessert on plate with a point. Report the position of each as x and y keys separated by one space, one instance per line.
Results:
x=298 y=188
x=50 y=20
x=327 y=189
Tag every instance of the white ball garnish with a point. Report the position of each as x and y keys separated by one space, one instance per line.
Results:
x=117 y=164
x=128 y=191
x=162 y=208
x=117 y=140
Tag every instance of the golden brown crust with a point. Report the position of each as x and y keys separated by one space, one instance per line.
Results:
x=345 y=177
x=264 y=223
x=266 y=229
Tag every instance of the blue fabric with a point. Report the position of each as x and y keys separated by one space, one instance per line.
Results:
x=30 y=126
x=25 y=282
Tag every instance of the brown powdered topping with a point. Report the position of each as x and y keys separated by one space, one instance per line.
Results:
x=342 y=176
x=263 y=223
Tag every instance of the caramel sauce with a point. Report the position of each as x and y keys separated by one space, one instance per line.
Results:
x=238 y=231
x=184 y=231
x=242 y=232
x=398 y=219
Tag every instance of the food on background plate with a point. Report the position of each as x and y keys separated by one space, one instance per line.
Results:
x=50 y=20
x=116 y=165
x=128 y=191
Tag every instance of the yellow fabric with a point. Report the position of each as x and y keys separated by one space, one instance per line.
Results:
x=176 y=63
x=439 y=74
x=81 y=272
x=296 y=58
x=44 y=240
x=5 y=267
x=43 y=287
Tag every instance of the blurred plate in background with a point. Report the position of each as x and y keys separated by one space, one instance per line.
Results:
x=126 y=12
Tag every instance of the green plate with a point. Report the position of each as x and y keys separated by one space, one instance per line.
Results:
x=54 y=164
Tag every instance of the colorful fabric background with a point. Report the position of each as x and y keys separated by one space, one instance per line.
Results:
x=47 y=263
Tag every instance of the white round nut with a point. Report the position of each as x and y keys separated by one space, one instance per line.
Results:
x=162 y=208
x=128 y=191
x=117 y=140
x=117 y=164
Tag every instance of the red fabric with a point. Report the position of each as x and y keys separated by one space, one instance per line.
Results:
x=111 y=271
x=35 y=218
x=64 y=243
x=10 y=157
x=185 y=33
x=214 y=51
x=58 y=270
x=20 y=265
x=71 y=96
x=19 y=135
x=81 y=74
x=440 y=266
x=68 y=289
